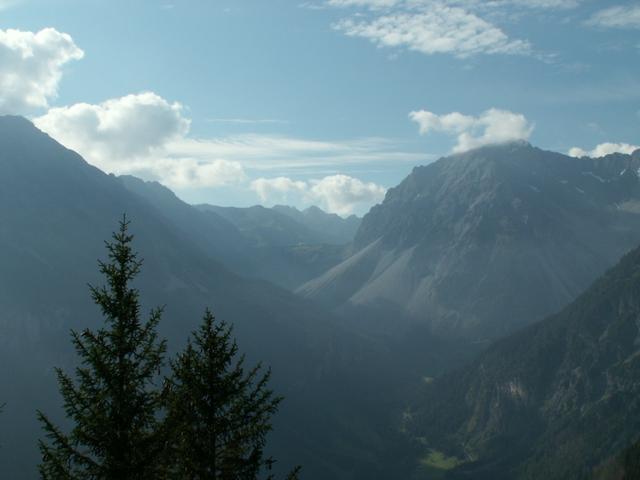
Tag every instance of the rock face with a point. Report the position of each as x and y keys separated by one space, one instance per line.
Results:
x=554 y=401
x=478 y=244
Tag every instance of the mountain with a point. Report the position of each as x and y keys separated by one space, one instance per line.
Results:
x=286 y=226
x=56 y=211
x=213 y=233
x=556 y=400
x=255 y=242
x=264 y=226
x=332 y=227
x=478 y=244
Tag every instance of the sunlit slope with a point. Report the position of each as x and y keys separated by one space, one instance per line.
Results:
x=478 y=244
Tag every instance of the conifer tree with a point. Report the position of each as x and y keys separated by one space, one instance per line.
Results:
x=115 y=398
x=219 y=414
x=631 y=460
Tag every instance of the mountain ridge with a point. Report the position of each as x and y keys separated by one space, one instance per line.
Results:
x=480 y=243
x=56 y=212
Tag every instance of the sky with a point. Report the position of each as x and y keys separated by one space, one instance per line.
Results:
x=325 y=102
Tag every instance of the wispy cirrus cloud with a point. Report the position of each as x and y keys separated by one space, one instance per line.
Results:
x=375 y=4
x=4 y=4
x=620 y=16
x=247 y=121
x=530 y=4
x=279 y=152
x=470 y=4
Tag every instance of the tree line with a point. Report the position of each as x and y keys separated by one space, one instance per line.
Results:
x=207 y=419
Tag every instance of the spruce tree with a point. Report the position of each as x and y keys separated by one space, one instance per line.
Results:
x=115 y=398
x=219 y=414
x=631 y=460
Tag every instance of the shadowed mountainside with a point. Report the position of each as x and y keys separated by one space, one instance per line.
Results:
x=57 y=210
x=553 y=401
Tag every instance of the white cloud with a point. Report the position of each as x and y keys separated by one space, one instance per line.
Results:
x=339 y=194
x=469 y=4
x=115 y=132
x=147 y=136
x=246 y=121
x=4 y=4
x=551 y=4
x=458 y=27
x=622 y=16
x=277 y=152
x=604 y=149
x=192 y=173
x=343 y=194
x=132 y=135
x=437 y=29
x=279 y=189
x=375 y=4
x=492 y=126
x=31 y=67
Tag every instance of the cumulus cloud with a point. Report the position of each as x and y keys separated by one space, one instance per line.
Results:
x=342 y=194
x=621 y=16
x=194 y=173
x=115 y=132
x=31 y=67
x=148 y=136
x=492 y=126
x=604 y=149
x=279 y=189
x=339 y=194
x=132 y=135
x=437 y=29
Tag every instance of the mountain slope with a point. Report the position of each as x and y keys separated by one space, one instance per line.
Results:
x=477 y=244
x=255 y=242
x=265 y=226
x=57 y=210
x=332 y=227
x=553 y=401
x=285 y=226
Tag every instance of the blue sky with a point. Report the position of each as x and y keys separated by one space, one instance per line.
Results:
x=317 y=101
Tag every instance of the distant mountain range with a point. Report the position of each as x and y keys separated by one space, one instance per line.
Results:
x=479 y=244
x=463 y=252
x=281 y=244
x=55 y=213
x=555 y=401
x=287 y=226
